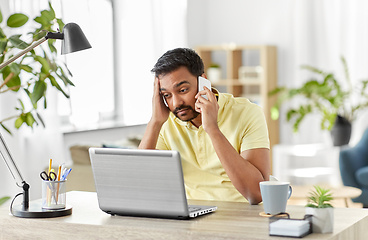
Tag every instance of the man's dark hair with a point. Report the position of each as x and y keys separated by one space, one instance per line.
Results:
x=176 y=58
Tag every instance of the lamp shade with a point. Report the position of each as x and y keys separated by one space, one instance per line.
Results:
x=74 y=39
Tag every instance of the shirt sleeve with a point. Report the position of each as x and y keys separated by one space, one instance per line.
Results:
x=161 y=145
x=255 y=134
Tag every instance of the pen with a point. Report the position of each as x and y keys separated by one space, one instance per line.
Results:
x=59 y=173
x=58 y=185
x=50 y=165
x=66 y=174
x=48 y=189
x=62 y=169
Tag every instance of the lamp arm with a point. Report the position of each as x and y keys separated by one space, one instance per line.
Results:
x=26 y=50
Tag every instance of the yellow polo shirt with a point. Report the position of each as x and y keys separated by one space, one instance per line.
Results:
x=243 y=124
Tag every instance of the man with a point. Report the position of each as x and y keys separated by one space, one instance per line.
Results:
x=223 y=141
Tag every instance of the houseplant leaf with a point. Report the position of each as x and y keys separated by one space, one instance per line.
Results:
x=18 y=123
x=5 y=128
x=29 y=119
x=48 y=15
x=14 y=80
x=45 y=65
x=17 y=42
x=41 y=20
x=55 y=84
x=61 y=24
x=3 y=43
x=40 y=118
x=38 y=91
x=17 y=20
x=26 y=68
x=1 y=16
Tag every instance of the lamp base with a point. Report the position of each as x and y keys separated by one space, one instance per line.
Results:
x=35 y=210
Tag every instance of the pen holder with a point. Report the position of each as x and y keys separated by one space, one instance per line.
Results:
x=53 y=194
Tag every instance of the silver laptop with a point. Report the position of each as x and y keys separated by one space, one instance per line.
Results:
x=146 y=183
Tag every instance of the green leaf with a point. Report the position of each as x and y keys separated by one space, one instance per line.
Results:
x=40 y=118
x=18 y=123
x=2 y=34
x=14 y=81
x=41 y=20
x=51 y=46
x=274 y=113
x=5 y=128
x=26 y=68
x=61 y=24
x=38 y=91
x=3 y=199
x=15 y=68
x=28 y=93
x=29 y=119
x=45 y=66
x=17 y=20
x=45 y=102
x=1 y=20
x=21 y=103
x=52 y=12
x=17 y=42
x=3 y=44
x=49 y=15
x=276 y=91
x=55 y=84
x=312 y=69
x=69 y=72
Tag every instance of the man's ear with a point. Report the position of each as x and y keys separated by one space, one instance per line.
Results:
x=204 y=75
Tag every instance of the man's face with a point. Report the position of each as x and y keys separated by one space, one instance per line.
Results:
x=179 y=89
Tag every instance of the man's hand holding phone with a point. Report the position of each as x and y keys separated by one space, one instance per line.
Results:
x=207 y=105
x=160 y=112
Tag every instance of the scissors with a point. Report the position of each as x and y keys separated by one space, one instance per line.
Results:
x=48 y=177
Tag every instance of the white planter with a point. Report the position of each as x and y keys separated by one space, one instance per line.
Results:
x=214 y=74
x=323 y=219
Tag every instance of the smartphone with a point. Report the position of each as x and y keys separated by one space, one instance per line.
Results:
x=203 y=82
x=165 y=101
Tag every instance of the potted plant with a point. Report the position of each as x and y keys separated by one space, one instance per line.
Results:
x=34 y=72
x=214 y=73
x=319 y=206
x=326 y=96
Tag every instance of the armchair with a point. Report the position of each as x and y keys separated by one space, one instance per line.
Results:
x=354 y=168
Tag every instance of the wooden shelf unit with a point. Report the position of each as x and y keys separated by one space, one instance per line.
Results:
x=267 y=80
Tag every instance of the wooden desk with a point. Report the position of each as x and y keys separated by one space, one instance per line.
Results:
x=230 y=221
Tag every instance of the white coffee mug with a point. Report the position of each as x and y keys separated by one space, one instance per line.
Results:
x=274 y=196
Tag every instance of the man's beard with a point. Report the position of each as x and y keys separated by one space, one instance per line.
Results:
x=187 y=107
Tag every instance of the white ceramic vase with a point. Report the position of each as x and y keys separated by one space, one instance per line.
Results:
x=323 y=219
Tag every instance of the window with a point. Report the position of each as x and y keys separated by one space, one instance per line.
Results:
x=143 y=31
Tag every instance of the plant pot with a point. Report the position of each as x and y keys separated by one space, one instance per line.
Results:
x=341 y=131
x=214 y=74
x=322 y=220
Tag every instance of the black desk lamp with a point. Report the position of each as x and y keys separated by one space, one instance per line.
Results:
x=73 y=40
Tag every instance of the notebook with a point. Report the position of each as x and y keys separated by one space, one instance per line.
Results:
x=144 y=183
